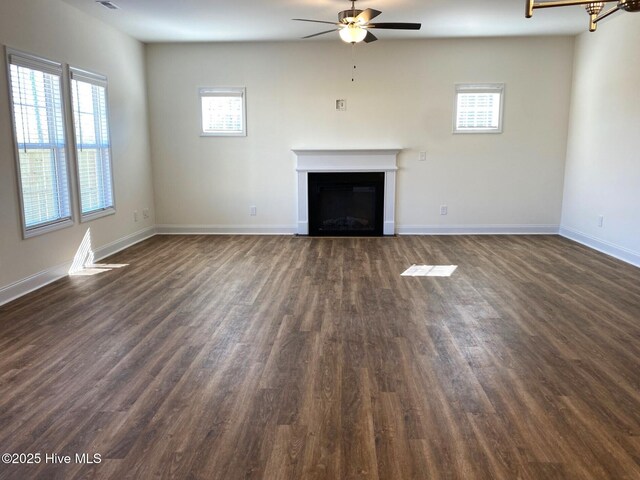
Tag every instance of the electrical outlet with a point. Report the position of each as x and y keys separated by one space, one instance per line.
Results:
x=444 y=210
x=423 y=156
x=600 y=220
x=135 y=215
x=253 y=211
x=145 y=213
x=341 y=105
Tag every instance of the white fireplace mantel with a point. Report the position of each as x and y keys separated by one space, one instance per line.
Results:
x=377 y=160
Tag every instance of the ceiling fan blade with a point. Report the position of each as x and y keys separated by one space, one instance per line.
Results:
x=367 y=15
x=396 y=26
x=315 y=21
x=370 y=37
x=318 y=21
x=321 y=33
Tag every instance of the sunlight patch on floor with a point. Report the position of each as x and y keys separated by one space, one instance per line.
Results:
x=429 y=271
x=90 y=270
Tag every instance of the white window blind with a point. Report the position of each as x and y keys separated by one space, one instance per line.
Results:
x=93 y=146
x=37 y=107
x=223 y=111
x=478 y=108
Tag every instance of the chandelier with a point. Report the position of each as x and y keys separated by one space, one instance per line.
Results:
x=595 y=10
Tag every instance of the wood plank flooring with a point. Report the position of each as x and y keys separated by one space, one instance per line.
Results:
x=239 y=357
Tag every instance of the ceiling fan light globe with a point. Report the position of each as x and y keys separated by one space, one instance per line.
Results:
x=352 y=33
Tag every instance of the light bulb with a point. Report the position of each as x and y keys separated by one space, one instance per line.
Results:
x=352 y=33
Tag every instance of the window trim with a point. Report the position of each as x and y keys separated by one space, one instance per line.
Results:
x=478 y=88
x=217 y=91
x=29 y=60
x=100 y=80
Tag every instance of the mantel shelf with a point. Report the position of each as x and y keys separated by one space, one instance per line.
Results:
x=370 y=151
x=360 y=168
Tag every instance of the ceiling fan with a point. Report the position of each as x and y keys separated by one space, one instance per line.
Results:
x=354 y=25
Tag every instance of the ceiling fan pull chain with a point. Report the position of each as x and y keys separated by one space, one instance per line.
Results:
x=353 y=60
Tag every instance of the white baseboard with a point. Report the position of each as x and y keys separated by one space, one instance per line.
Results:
x=616 y=251
x=124 y=242
x=226 y=229
x=477 y=229
x=45 y=277
x=33 y=282
x=400 y=230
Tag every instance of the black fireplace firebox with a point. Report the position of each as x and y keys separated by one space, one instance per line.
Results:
x=346 y=203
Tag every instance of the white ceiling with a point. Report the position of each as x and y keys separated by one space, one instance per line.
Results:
x=251 y=20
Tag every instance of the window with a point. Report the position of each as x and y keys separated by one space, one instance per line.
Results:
x=223 y=111
x=35 y=87
x=93 y=146
x=37 y=104
x=478 y=108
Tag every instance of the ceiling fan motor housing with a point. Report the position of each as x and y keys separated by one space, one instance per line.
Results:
x=351 y=13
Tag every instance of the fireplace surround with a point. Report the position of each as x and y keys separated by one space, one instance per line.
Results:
x=382 y=161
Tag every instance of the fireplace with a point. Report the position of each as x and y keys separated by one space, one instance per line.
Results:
x=346 y=203
x=381 y=164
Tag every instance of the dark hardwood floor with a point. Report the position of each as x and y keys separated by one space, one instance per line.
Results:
x=230 y=357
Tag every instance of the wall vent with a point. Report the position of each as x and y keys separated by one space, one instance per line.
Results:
x=107 y=4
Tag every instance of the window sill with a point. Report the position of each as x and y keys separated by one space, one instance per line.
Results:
x=50 y=227
x=224 y=134
x=473 y=132
x=97 y=214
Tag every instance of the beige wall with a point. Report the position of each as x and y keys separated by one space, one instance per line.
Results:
x=55 y=30
x=603 y=155
x=402 y=97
